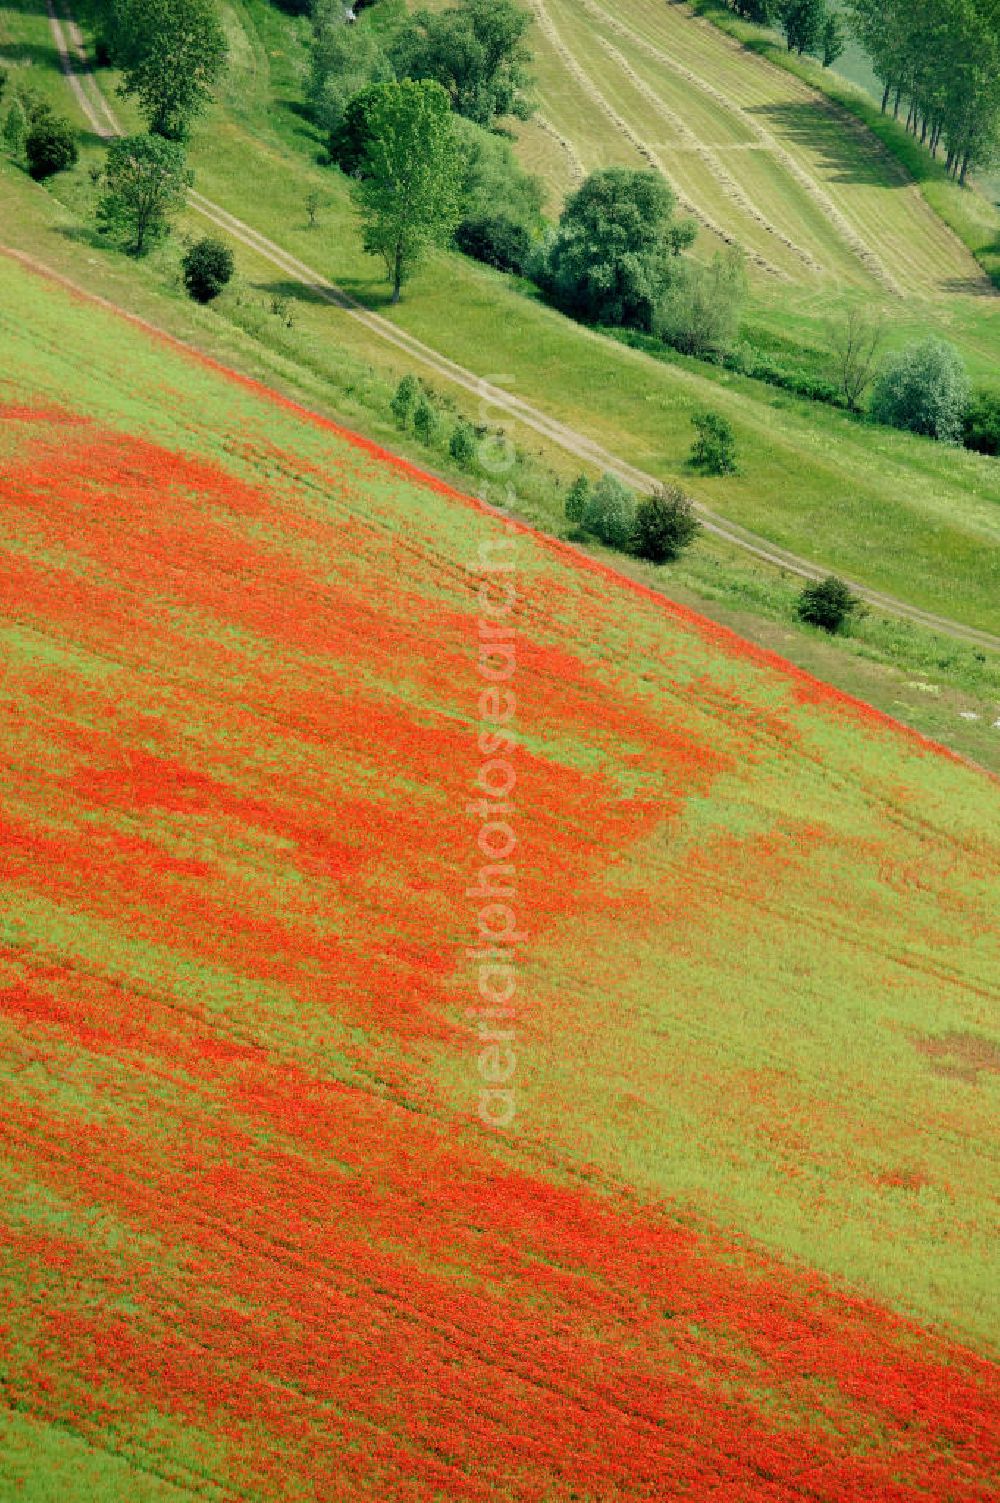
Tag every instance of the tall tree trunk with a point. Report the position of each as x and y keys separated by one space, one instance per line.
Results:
x=885 y=98
x=923 y=131
x=965 y=169
x=895 y=108
x=397 y=276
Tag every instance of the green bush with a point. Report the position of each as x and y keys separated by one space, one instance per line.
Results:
x=495 y=240
x=407 y=394
x=617 y=248
x=208 y=267
x=665 y=524
x=609 y=513
x=462 y=446
x=982 y=423
x=426 y=421
x=827 y=603
x=577 y=498
x=699 y=314
x=15 y=128
x=924 y=388
x=714 y=448
x=49 y=145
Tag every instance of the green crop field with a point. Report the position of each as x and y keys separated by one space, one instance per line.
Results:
x=245 y=1188
x=484 y=1017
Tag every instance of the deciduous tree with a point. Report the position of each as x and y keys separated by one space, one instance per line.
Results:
x=615 y=251
x=172 y=53
x=145 y=181
x=408 y=192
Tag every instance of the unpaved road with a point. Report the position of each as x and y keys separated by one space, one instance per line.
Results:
x=79 y=75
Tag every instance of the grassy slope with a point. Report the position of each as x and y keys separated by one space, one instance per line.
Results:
x=925 y=680
x=886 y=508
x=757 y=984
x=942 y=688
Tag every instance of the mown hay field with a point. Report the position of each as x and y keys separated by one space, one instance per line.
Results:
x=752 y=151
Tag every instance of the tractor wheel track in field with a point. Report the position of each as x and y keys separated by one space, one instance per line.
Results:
x=79 y=76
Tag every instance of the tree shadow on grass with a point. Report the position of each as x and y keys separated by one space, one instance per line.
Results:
x=316 y=296
x=842 y=157
x=87 y=236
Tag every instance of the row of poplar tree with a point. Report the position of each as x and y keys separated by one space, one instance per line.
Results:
x=939 y=60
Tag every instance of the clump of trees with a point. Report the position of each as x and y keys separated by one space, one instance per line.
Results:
x=614 y=254
x=941 y=61
x=657 y=527
x=344 y=60
x=937 y=59
x=476 y=51
x=812 y=26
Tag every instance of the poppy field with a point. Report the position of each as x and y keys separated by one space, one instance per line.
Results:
x=297 y=742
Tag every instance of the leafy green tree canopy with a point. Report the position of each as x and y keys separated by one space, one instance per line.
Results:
x=609 y=513
x=172 y=53
x=827 y=603
x=925 y=389
x=408 y=192
x=50 y=143
x=615 y=251
x=476 y=51
x=145 y=182
x=207 y=267
x=665 y=524
x=803 y=22
x=714 y=448
x=343 y=60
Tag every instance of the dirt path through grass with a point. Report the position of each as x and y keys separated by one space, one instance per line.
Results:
x=96 y=109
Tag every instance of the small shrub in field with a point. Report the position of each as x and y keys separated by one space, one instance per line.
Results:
x=665 y=524
x=426 y=421
x=610 y=513
x=208 y=268
x=827 y=603
x=982 y=423
x=925 y=389
x=282 y=308
x=49 y=145
x=714 y=448
x=576 y=500
x=405 y=400
x=462 y=446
